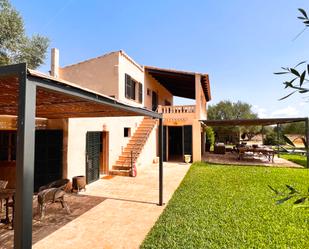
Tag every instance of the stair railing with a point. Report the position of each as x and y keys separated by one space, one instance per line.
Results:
x=136 y=149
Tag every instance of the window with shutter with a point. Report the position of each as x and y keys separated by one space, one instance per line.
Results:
x=133 y=89
x=140 y=93
x=130 y=87
x=127 y=85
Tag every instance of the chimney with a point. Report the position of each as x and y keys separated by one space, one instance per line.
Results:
x=54 y=71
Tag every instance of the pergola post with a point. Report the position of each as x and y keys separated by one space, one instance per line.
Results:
x=278 y=138
x=24 y=162
x=160 y=134
x=307 y=140
x=263 y=134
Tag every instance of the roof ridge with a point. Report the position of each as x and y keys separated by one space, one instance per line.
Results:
x=91 y=59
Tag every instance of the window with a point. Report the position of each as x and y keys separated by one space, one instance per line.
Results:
x=7 y=145
x=130 y=85
x=127 y=132
x=140 y=92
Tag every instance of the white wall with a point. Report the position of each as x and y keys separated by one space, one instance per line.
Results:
x=78 y=128
x=98 y=74
x=128 y=66
x=149 y=151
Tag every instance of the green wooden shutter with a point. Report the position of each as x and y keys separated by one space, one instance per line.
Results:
x=140 y=93
x=127 y=85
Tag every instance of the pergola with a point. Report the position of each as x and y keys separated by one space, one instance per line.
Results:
x=262 y=122
x=29 y=94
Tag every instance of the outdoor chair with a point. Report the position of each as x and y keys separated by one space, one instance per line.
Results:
x=219 y=148
x=52 y=193
x=3 y=185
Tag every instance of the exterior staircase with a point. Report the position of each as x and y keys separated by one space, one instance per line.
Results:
x=130 y=154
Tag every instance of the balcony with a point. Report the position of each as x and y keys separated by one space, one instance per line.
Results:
x=177 y=113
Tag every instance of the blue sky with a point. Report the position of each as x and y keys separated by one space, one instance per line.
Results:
x=238 y=43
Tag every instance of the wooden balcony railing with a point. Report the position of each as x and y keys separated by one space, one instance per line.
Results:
x=176 y=109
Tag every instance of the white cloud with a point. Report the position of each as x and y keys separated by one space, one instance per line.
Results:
x=262 y=112
x=286 y=112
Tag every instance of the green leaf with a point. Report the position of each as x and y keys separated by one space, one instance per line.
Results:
x=305 y=143
x=293 y=190
x=288 y=141
x=303 y=12
x=276 y=191
x=283 y=200
x=281 y=73
x=301 y=200
x=302 y=78
x=287 y=95
x=294 y=71
x=300 y=63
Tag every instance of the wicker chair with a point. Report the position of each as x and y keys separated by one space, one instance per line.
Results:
x=51 y=193
x=3 y=185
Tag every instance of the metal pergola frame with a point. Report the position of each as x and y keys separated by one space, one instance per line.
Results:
x=28 y=86
x=263 y=122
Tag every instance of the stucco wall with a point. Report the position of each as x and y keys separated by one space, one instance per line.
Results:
x=78 y=128
x=153 y=85
x=149 y=151
x=128 y=66
x=98 y=74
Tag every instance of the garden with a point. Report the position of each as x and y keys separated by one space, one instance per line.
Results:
x=219 y=206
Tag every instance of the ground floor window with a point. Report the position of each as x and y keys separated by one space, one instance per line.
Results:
x=8 y=146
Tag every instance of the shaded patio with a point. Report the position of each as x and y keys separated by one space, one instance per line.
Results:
x=232 y=159
x=55 y=218
x=258 y=122
x=114 y=212
x=29 y=95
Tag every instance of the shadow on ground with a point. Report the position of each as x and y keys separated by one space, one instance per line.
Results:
x=55 y=218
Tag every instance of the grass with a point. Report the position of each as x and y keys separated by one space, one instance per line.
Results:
x=299 y=159
x=219 y=206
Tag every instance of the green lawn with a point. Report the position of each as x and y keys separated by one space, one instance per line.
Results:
x=219 y=206
x=299 y=159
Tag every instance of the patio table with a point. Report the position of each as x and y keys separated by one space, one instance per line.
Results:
x=267 y=152
x=7 y=194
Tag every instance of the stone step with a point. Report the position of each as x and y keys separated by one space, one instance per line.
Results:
x=124 y=162
x=119 y=167
x=120 y=172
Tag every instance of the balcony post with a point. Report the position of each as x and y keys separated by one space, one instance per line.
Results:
x=159 y=108
x=198 y=96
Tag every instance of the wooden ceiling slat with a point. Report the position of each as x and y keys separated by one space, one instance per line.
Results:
x=53 y=105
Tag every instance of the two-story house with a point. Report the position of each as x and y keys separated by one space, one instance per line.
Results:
x=112 y=145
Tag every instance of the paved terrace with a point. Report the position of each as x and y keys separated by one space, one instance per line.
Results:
x=125 y=215
x=232 y=158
